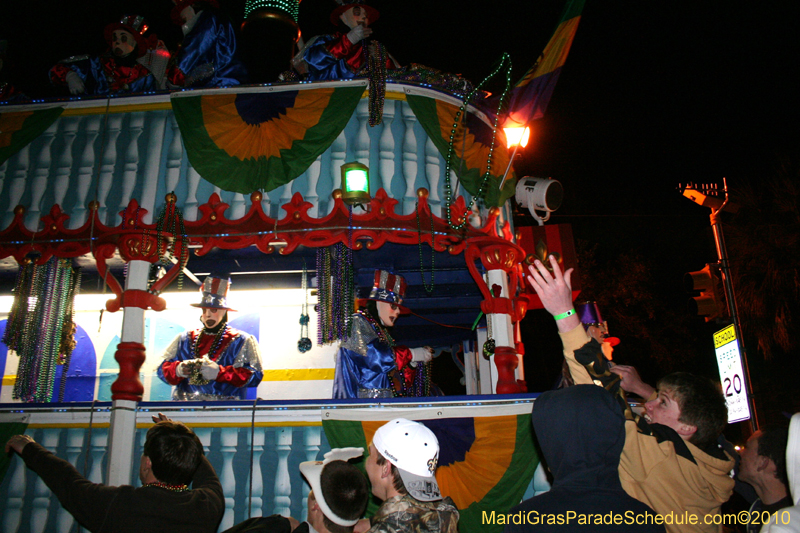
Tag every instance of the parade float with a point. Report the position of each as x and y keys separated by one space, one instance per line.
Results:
x=113 y=209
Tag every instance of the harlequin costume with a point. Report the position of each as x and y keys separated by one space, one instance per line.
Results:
x=236 y=353
x=208 y=55
x=109 y=74
x=334 y=56
x=368 y=363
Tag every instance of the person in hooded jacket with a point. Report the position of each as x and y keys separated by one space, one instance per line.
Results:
x=672 y=460
x=581 y=433
x=787 y=520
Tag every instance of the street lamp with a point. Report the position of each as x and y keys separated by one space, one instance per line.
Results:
x=517 y=135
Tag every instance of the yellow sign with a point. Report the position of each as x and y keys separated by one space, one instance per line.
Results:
x=724 y=336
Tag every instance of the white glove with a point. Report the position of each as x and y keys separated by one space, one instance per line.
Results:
x=210 y=370
x=422 y=355
x=182 y=370
x=359 y=33
x=75 y=83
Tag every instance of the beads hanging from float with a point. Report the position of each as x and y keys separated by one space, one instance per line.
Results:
x=40 y=328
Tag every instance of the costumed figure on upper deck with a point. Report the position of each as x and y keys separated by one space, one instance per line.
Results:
x=345 y=55
x=135 y=62
x=208 y=55
x=215 y=362
x=369 y=364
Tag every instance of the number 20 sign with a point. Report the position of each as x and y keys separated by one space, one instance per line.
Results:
x=729 y=361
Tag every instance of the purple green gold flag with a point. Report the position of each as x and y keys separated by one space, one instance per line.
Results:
x=472 y=144
x=19 y=128
x=485 y=462
x=249 y=139
x=530 y=96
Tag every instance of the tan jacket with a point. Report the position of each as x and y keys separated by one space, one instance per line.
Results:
x=671 y=476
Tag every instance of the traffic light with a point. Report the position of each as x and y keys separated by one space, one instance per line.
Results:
x=711 y=303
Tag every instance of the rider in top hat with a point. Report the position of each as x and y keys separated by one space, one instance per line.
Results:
x=344 y=55
x=215 y=362
x=368 y=363
x=135 y=62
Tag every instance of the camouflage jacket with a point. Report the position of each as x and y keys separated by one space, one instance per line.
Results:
x=404 y=514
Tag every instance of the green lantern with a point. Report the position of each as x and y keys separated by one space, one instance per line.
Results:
x=355 y=183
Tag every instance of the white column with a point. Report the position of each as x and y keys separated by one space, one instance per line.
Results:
x=433 y=170
x=410 y=167
x=91 y=127
x=16 y=185
x=258 y=480
x=386 y=146
x=123 y=412
x=228 y=439
x=283 y=482
x=311 y=442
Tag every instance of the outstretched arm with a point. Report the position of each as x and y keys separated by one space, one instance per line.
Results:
x=555 y=292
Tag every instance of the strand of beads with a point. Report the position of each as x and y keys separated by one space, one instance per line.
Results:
x=376 y=72
x=173 y=488
x=383 y=335
x=304 y=344
x=428 y=289
x=448 y=193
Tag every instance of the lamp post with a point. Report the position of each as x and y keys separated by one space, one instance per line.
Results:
x=717 y=206
x=516 y=135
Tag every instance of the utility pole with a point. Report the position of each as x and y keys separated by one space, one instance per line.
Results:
x=717 y=207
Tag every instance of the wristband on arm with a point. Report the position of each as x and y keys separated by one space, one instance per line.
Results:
x=564 y=314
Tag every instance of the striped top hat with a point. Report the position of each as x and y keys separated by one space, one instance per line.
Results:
x=215 y=293
x=388 y=287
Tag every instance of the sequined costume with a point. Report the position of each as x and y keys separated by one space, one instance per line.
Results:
x=105 y=74
x=208 y=56
x=366 y=360
x=237 y=355
x=334 y=57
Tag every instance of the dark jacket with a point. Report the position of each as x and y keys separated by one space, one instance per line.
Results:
x=100 y=508
x=581 y=433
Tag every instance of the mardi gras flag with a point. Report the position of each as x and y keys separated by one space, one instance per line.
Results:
x=530 y=96
x=471 y=147
x=249 y=139
x=19 y=128
x=485 y=462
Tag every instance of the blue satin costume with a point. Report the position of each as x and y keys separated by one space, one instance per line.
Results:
x=105 y=75
x=322 y=65
x=240 y=355
x=364 y=361
x=209 y=56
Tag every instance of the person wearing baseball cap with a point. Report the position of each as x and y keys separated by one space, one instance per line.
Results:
x=215 y=362
x=401 y=467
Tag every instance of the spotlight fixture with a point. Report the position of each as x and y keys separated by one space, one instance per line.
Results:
x=539 y=194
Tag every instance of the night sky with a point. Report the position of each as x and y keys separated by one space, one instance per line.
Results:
x=654 y=93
